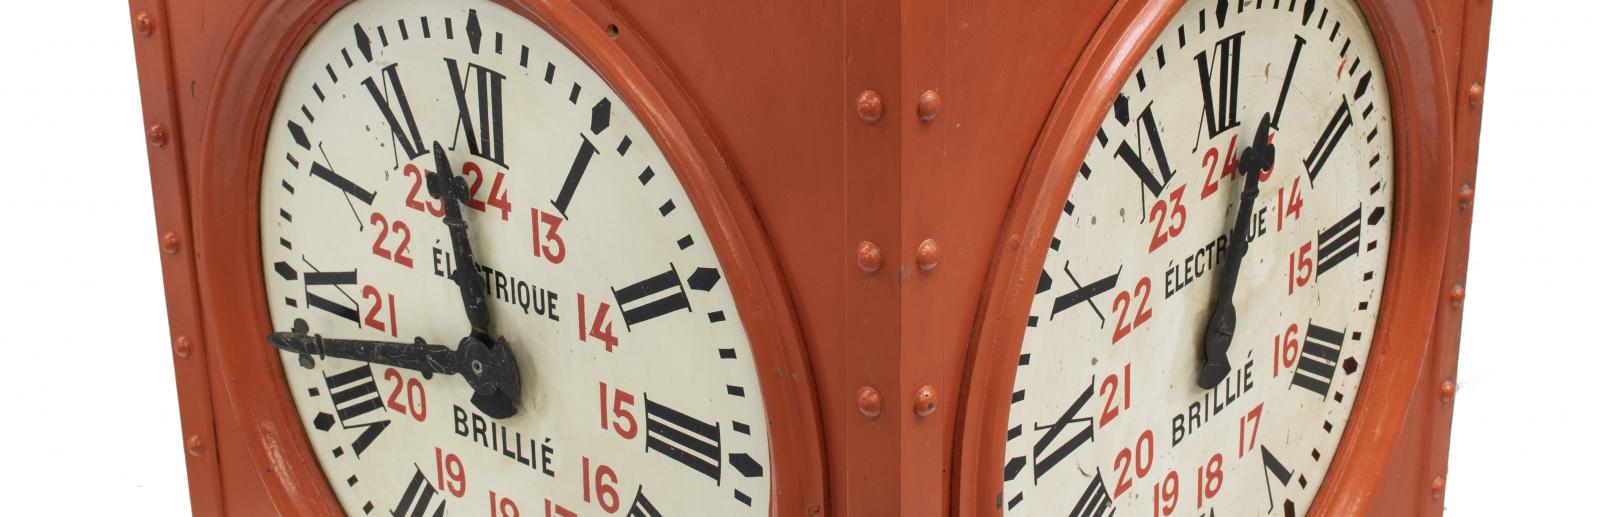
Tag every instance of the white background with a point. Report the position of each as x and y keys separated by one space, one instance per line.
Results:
x=90 y=408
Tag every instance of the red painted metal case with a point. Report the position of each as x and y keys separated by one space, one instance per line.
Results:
x=934 y=131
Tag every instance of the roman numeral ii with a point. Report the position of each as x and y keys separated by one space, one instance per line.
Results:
x=652 y=297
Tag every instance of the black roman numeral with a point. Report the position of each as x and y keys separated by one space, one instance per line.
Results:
x=1134 y=157
x=599 y=120
x=580 y=165
x=652 y=297
x=417 y=498
x=1219 y=84
x=482 y=120
x=685 y=439
x=1043 y=461
x=1084 y=293
x=1271 y=469
x=1319 y=359
x=342 y=183
x=641 y=506
x=336 y=279
x=1330 y=139
x=1339 y=242
x=1095 y=501
x=1288 y=78
x=406 y=134
x=355 y=394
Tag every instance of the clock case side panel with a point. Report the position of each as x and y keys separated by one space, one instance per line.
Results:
x=169 y=180
x=1403 y=336
x=1415 y=481
x=227 y=242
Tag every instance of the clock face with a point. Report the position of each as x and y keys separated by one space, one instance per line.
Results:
x=638 y=393
x=1106 y=413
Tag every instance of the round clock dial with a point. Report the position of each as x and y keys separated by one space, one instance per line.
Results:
x=1113 y=409
x=550 y=333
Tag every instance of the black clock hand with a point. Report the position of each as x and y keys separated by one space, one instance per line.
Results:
x=1219 y=331
x=443 y=184
x=487 y=370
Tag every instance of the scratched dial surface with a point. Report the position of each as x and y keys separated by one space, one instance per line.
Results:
x=640 y=394
x=1106 y=416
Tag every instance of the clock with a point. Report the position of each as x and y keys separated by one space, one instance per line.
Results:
x=799 y=258
x=475 y=276
x=1220 y=278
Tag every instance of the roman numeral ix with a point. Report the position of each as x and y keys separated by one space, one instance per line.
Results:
x=1046 y=452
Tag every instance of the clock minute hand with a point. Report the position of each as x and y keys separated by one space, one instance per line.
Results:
x=1220 y=329
x=496 y=399
x=444 y=184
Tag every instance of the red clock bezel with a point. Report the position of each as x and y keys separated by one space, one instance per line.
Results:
x=1424 y=199
x=227 y=244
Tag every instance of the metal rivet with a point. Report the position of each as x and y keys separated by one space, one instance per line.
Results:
x=182 y=347
x=1458 y=294
x=869 y=257
x=1466 y=196
x=157 y=136
x=869 y=402
x=926 y=401
x=927 y=255
x=928 y=106
x=814 y=510
x=1475 y=96
x=1438 y=487
x=869 y=105
x=143 y=24
x=1447 y=390
x=170 y=242
x=194 y=446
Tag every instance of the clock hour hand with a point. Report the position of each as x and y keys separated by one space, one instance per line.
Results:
x=491 y=372
x=444 y=184
x=1220 y=329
